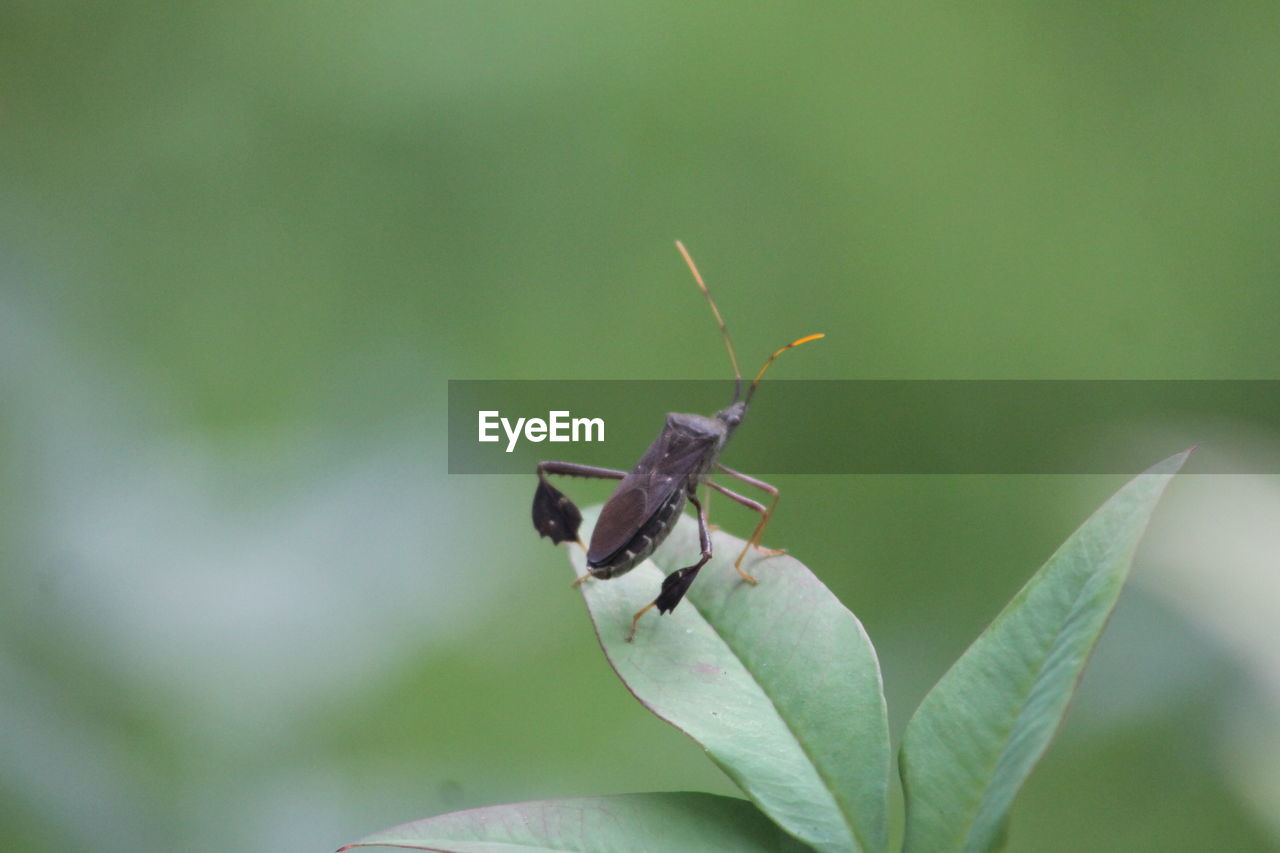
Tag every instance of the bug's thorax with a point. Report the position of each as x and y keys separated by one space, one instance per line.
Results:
x=712 y=432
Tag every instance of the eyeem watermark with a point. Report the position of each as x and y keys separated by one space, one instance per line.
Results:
x=903 y=426
x=559 y=426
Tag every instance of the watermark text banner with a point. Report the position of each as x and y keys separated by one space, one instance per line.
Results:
x=878 y=426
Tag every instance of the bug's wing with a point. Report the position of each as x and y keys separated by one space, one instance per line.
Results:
x=647 y=487
x=621 y=516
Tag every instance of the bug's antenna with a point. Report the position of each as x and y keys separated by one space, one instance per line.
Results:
x=760 y=375
x=724 y=330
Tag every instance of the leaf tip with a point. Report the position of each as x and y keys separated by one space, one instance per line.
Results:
x=1174 y=463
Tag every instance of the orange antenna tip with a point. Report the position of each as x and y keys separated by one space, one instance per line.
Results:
x=779 y=352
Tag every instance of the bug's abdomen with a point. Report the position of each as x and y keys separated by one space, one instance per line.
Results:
x=645 y=541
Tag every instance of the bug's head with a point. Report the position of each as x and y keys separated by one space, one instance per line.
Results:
x=732 y=414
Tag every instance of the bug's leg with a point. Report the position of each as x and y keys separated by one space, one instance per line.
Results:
x=573 y=469
x=678 y=582
x=706 y=500
x=758 y=507
x=554 y=515
x=749 y=504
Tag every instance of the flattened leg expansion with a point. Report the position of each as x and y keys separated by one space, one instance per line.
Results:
x=554 y=515
x=677 y=583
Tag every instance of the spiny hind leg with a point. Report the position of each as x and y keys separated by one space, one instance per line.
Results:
x=676 y=584
x=554 y=515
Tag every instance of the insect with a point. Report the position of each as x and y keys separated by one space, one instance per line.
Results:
x=643 y=509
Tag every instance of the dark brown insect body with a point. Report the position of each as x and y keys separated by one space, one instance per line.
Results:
x=649 y=499
x=644 y=508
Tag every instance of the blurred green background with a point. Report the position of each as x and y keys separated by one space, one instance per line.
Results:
x=245 y=245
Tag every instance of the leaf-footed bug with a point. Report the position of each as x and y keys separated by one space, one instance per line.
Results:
x=643 y=509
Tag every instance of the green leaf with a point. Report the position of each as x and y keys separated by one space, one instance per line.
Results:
x=979 y=732
x=778 y=682
x=626 y=822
